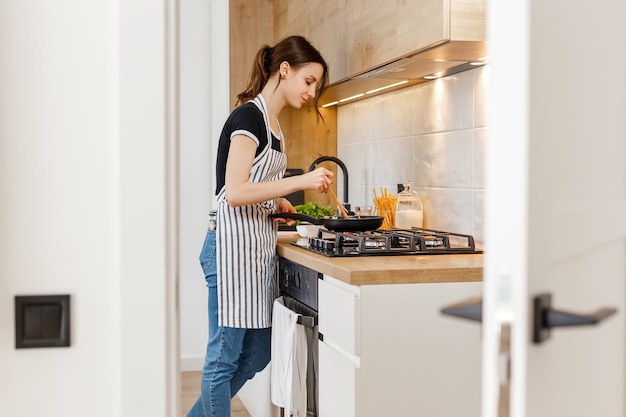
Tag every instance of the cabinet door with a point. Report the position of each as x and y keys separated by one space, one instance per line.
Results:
x=379 y=31
x=415 y=361
x=339 y=315
x=337 y=383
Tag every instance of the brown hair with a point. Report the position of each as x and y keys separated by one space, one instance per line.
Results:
x=297 y=51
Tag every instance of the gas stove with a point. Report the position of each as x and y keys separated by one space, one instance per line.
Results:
x=415 y=241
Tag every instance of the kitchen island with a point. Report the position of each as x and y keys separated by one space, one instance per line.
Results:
x=385 y=348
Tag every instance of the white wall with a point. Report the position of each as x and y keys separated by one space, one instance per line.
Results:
x=195 y=173
x=87 y=135
x=432 y=134
x=204 y=106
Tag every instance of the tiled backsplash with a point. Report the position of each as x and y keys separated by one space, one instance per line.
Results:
x=432 y=134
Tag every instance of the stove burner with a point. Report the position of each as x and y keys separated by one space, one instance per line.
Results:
x=413 y=241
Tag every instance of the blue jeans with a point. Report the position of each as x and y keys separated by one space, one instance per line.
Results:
x=233 y=355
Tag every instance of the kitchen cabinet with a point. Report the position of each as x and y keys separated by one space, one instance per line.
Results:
x=339 y=311
x=337 y=386
x=380 y=31
x=386 y=350
x=355 y=36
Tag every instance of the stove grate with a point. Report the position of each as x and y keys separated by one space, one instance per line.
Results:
x=415 y=241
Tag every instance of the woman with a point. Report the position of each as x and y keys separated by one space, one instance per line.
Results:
x=238 y=256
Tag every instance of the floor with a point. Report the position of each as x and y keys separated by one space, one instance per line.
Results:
x=191 y=390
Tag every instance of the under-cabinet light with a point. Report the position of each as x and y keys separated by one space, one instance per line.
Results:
x=351 y=98
x=430 y=77
x=330 y=104
x=385 y=87
x=480 y=61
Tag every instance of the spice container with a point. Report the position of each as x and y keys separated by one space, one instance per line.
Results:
x=409 y=211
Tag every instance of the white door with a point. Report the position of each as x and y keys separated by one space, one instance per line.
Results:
x=556 y=205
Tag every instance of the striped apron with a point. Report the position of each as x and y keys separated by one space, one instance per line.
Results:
x=246 y=247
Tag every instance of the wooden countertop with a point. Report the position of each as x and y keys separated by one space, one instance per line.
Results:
x=395 y=269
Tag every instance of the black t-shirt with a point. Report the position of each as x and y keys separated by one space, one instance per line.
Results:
x=247 y=120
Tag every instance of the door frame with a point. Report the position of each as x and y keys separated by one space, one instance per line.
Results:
x=147 y=151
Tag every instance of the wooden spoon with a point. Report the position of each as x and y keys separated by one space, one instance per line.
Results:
x=343 y=210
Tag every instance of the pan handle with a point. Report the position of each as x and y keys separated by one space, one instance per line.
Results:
x=298 y=216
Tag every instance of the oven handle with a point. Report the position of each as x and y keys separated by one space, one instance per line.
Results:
x=304 y=319
x=307 y=321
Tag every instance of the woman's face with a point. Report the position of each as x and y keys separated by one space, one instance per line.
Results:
x=301 y=83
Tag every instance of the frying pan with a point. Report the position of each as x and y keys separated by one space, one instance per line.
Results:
x=337 y=224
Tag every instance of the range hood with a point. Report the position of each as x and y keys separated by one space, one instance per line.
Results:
x=449 y=57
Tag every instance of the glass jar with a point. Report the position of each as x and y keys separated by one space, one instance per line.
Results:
x=409 y=211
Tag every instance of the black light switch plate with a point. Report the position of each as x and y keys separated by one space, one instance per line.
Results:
x=42 y=321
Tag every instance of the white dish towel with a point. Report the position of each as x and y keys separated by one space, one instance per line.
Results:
x=289 y=361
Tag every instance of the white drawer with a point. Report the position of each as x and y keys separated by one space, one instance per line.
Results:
x=339 y=314
x=337 y=384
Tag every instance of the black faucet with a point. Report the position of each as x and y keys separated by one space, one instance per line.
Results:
x=344 y=170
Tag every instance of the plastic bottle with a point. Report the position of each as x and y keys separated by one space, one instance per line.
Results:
x=410 y=211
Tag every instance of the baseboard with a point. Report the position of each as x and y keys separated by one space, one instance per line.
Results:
x=191 y=363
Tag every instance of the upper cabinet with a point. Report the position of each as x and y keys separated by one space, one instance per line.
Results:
x=380 y=31
x=322 y=22
x=370 y=44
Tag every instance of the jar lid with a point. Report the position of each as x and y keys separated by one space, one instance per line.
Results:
x=407 y=191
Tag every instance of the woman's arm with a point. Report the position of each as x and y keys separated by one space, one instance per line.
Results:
x=241 y=192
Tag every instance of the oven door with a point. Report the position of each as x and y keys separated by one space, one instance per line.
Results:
x=308 y=319
x=298 y=286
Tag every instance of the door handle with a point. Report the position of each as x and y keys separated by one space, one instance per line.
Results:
x=546 y=318
x=471 y=309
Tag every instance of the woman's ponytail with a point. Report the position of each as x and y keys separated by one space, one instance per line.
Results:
x=259 y=75
x=295 y=50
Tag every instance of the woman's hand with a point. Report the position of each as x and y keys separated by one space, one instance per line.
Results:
x=319 y=179
x=284 y=206
x=240 y=191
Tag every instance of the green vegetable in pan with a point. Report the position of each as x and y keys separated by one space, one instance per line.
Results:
x=315 y=210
